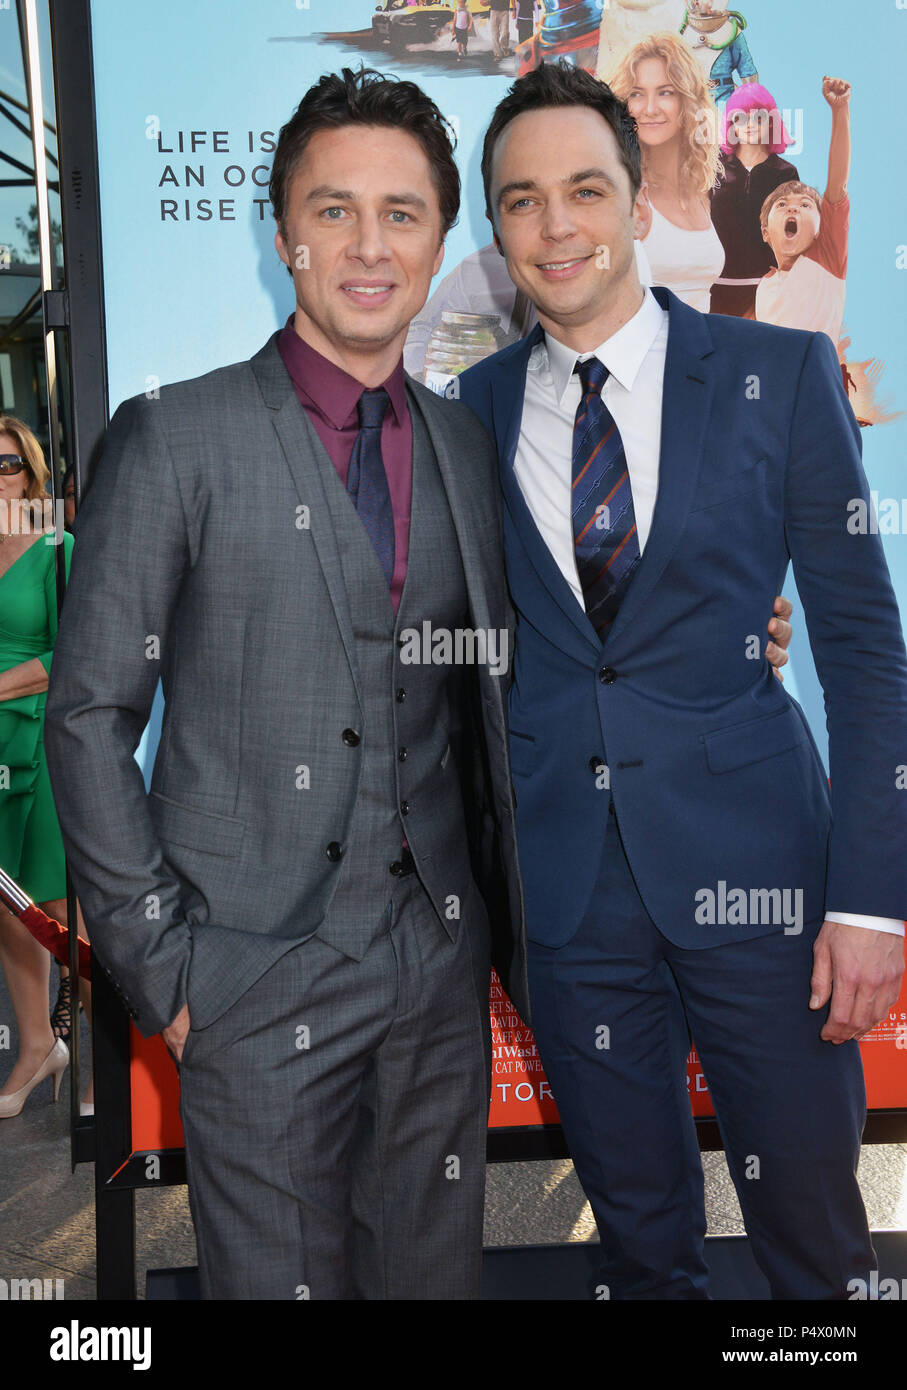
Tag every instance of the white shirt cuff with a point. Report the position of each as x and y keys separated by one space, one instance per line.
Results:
x=857 y=919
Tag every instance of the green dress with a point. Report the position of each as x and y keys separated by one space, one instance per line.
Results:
x=31 y=849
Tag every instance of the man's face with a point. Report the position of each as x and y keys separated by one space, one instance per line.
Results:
x=565 y=216
x=362 y=237
x=793 y=225
x=69 y=500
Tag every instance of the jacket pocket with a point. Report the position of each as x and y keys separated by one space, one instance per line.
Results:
x=725 y=489
x=753 y=741
x=177 y=824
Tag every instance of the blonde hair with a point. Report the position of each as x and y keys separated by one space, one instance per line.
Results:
x=699 y=120
x=30 y=450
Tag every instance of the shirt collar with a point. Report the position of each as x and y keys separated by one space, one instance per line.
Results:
x=331 y=390
x=622 y=353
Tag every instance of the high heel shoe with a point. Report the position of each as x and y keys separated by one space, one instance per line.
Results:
x=54 y=1064
x=61 y=1018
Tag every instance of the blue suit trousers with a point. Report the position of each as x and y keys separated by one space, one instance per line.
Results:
x=613 y=1013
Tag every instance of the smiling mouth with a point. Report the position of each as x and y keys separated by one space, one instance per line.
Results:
x=366 y=289
x=562 y=265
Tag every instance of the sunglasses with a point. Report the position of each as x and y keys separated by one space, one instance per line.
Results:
x=10 y=464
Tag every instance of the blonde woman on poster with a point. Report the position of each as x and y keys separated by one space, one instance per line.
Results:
x=669 y=99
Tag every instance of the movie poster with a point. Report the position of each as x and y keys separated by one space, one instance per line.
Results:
x=798 y=220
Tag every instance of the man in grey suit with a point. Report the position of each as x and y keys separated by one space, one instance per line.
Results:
x=306 y=903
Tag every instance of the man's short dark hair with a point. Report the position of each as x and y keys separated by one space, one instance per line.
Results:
x=559 y=84
x=368 y=98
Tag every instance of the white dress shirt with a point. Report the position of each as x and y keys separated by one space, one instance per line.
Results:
x=635 y=359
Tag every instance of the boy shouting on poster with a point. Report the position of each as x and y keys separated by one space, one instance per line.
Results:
x=808 y=236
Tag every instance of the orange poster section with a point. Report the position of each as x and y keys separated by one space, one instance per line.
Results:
x=520 y=1094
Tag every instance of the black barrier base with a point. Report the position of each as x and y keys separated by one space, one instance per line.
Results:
x=567 y=1273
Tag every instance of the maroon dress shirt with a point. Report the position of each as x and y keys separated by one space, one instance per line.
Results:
x=330 y=397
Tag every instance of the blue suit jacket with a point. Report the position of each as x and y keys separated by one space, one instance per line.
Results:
x=714 y=773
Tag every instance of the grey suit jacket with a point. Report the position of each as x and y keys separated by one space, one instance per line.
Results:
x=203 y=557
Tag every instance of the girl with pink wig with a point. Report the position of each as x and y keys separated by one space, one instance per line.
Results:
x=753 y=141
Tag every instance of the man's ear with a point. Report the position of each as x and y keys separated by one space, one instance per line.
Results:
x=438 y=258
x=494 y=235
x=642 y=213
x=280 y=245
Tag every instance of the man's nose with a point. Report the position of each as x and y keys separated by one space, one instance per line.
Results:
x=369 y=242
x=558 y=222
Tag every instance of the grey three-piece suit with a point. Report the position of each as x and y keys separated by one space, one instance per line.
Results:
x=335 y=1078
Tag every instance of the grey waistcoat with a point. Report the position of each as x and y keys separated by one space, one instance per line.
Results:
x=408 y=784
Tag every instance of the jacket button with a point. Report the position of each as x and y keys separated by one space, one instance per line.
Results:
x=401 y=755
x=334 y=851
x=401 y=695
x=607 y=675
x=396 y=868
x=350 y=738
x=404 y=808
x=596 y=765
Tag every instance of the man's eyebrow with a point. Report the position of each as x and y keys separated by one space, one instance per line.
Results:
x=581 y=176
x=584 y=176
x=411 y=200
x=516 y=186
x=345 y=195
x=324 y=190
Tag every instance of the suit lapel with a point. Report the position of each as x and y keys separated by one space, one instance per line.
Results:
x=465 y=490
x=302 y=450
x=686 y=406
x=460 y=487
x=507 y=391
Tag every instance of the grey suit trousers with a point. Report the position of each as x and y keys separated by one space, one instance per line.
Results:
x=335 y=1119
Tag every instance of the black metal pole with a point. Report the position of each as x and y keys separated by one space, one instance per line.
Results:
x=81 y=313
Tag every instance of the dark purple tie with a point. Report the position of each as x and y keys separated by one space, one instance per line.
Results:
x=366 y=481
x=604 y=524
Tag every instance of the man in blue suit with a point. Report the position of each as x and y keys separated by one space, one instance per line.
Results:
x=686 y=870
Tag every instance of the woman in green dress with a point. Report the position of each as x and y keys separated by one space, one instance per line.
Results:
x=31 y=849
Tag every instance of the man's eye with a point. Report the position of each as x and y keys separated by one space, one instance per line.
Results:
x=520 y=203
x=329 y=213
x=593 y=192
x=400 y=217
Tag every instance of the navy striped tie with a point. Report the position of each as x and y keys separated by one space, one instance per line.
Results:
x=604 y=524
x=366 y=480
